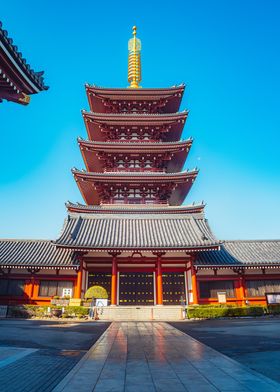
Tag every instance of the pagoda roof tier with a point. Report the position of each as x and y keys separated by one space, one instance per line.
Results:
x=173 y=187
x=242 y=254
x=134 y=209
x=165 y=100
x=121 y=232
x=98 y=126
x=97 y=154
x=17 y=78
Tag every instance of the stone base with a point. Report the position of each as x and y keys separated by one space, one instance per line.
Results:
x=141 y=313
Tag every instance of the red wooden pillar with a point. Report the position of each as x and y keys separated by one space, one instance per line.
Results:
x=240 y=290
x=28 y=289
x=114 y=280
x=194 y=286
x=78 y=287
x=159 y=291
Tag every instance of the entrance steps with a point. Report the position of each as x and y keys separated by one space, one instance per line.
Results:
x=141 y=313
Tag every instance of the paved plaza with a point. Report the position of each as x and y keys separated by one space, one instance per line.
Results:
x=37 y=355
x=255 y=342
x=146 y=356
x=128 y=356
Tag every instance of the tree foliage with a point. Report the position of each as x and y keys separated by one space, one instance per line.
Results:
x=96 y=292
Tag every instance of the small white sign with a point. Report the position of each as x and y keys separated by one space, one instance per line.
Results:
x=222 y=297
x=273 y=298
x=67 y=293
x=101 y=302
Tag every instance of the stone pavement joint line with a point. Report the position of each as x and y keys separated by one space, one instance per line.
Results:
x=154 y=356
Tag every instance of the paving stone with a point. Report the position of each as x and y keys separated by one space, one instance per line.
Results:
x=146 y=356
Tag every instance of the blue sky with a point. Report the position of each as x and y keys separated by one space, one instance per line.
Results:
x=227 y=53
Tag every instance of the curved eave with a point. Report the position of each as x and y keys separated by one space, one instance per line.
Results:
x=135 y=177
x=241 y=265
x=174 y=123
x=88 y=182
x=172 y=96
x=136 y=209
x=41 y=267
x=190 y=249
x=178 y=152
x=19 y=72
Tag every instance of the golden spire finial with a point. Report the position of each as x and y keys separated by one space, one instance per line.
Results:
x=134 y=60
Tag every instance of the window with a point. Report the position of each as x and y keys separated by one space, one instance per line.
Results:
x=12 y=287
x=49 y=288
x=258 y=288
x=210 y=289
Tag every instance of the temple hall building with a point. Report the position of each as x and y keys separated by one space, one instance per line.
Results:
x=134 y=234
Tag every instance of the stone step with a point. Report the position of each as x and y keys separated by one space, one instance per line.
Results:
x=141 y=313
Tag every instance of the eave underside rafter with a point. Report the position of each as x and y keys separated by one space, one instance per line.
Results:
x=167 y=157
x=159 y=188
x=134 y=128
x=131 y=100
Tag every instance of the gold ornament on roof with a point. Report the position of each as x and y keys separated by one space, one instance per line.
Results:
x=134 y=60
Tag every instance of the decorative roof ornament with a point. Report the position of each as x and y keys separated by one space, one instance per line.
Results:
x=134 y=60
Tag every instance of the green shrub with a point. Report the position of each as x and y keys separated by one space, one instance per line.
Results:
x=273 y=309
x=28 y=311
x=210 y=311
x=96 y=292
x=75 y=311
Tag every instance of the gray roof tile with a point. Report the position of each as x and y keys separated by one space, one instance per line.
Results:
x=34 y=253
x=133 y=231
x=242 y=253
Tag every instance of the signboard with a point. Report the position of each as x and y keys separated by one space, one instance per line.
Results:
x=66 y=293
x=75 y=302
x=3 y=311
x=273 y=298
x=222 y=297
x=101 y=302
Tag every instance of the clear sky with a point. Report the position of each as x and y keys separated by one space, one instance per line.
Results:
x=227 y=53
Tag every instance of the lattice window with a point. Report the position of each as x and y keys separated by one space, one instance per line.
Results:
x=12 y=287
x=209 y=289
x=258 y=288
x=50 y=288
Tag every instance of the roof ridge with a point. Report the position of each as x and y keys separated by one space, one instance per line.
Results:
x=184 y=112
x=254 y=240
x=136 y=174
x=155 y=143
x=26 y=239
x=180 y=86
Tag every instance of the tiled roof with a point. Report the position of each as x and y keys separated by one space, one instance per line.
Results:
x=136 y=92
x=89 y=182
x=136 y=232
x=166 y=146
x=11 y=50
x=242 y=253
x=34 y=253
x=157 y=117
x=155 y=176
x=135 y=208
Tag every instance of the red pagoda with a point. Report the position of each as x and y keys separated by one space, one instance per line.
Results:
x=133 y=188
x=134 y=235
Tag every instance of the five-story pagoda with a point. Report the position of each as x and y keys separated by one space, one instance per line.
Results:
x=133 y=235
